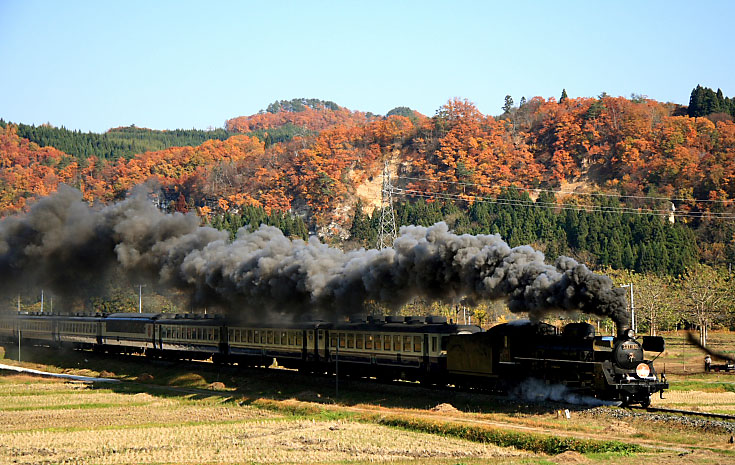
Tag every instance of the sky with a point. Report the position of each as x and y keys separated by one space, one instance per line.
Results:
x=160 y=64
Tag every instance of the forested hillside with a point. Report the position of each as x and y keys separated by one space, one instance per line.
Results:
x=618 y=166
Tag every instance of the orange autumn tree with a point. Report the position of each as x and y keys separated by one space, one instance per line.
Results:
x=310 y=115
x=28 y=171
x=460 y=148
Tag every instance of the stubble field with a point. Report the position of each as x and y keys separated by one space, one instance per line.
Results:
x=198 y=414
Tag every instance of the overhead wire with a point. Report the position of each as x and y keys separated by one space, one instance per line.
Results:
x=561 y=206
x=588 y=194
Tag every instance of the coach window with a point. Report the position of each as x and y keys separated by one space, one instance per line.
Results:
x=358 y=341
x=407 y=343
x=417 y=343
x=369 y=341
x=342 y=341
x=386 y=342
x=270 y=336
x=277 y=338
x=299 y=339
x=397 y=343
x=333 y=340
x=433 y=343
x=350 y=341
x=256 y=335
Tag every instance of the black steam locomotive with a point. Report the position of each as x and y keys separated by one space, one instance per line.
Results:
x=426 y=349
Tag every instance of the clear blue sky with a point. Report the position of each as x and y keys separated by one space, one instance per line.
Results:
x=165 y=65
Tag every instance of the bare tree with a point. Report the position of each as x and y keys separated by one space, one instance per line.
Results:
x=653 y=300
x=704 y=290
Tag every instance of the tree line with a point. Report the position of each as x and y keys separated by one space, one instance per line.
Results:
x=123 y=142
x=643 y=243
x=705 y=102
x=292 y=226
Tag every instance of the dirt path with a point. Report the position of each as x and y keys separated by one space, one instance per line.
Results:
x=86 y=379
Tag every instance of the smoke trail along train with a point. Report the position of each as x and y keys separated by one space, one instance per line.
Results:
x=67 y=246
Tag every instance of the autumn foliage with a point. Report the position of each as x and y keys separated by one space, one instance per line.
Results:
x=632 y=146
x=316 y=116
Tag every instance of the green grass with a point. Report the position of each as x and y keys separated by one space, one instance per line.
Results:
x=699 y=385
x=89 y=405
x=552 y=445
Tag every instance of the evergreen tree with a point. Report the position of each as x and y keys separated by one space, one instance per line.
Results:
x=563 y=97
x=508 y=104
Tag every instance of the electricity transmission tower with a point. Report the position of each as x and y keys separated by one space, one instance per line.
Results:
x=387 y=233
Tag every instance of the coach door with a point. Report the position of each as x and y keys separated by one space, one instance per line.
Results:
x=425 y=358
x=321 y=344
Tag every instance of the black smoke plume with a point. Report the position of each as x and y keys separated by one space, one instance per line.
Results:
x=69 y=247
x=694 y=340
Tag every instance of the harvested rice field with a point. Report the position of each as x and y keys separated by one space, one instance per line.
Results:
x=48 y=422
x=198 y=413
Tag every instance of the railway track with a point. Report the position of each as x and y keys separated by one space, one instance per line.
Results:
x=719 y=416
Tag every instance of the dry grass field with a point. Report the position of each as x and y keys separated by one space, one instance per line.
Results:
x=45 y=421
x=170 y=413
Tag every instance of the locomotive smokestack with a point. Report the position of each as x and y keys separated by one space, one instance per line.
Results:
x=64 y=244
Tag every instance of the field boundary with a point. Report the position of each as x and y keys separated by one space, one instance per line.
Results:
x=46 y=374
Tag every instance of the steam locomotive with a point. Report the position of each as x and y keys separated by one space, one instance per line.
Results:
x=426 y=349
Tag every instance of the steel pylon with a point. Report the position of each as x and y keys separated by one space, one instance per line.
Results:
x=387 y=232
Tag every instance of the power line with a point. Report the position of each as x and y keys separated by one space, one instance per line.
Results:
x=561 y=206
x=589 y=194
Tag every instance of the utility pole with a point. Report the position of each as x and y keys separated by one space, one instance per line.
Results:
x=140 y=297
x=387 y=233
x=632 y=306
x=41 y=300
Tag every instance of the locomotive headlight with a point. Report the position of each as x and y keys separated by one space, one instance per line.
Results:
x=630 y=334
x=642 y=370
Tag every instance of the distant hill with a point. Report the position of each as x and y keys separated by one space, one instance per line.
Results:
x=318 y=160
x=307 y=115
